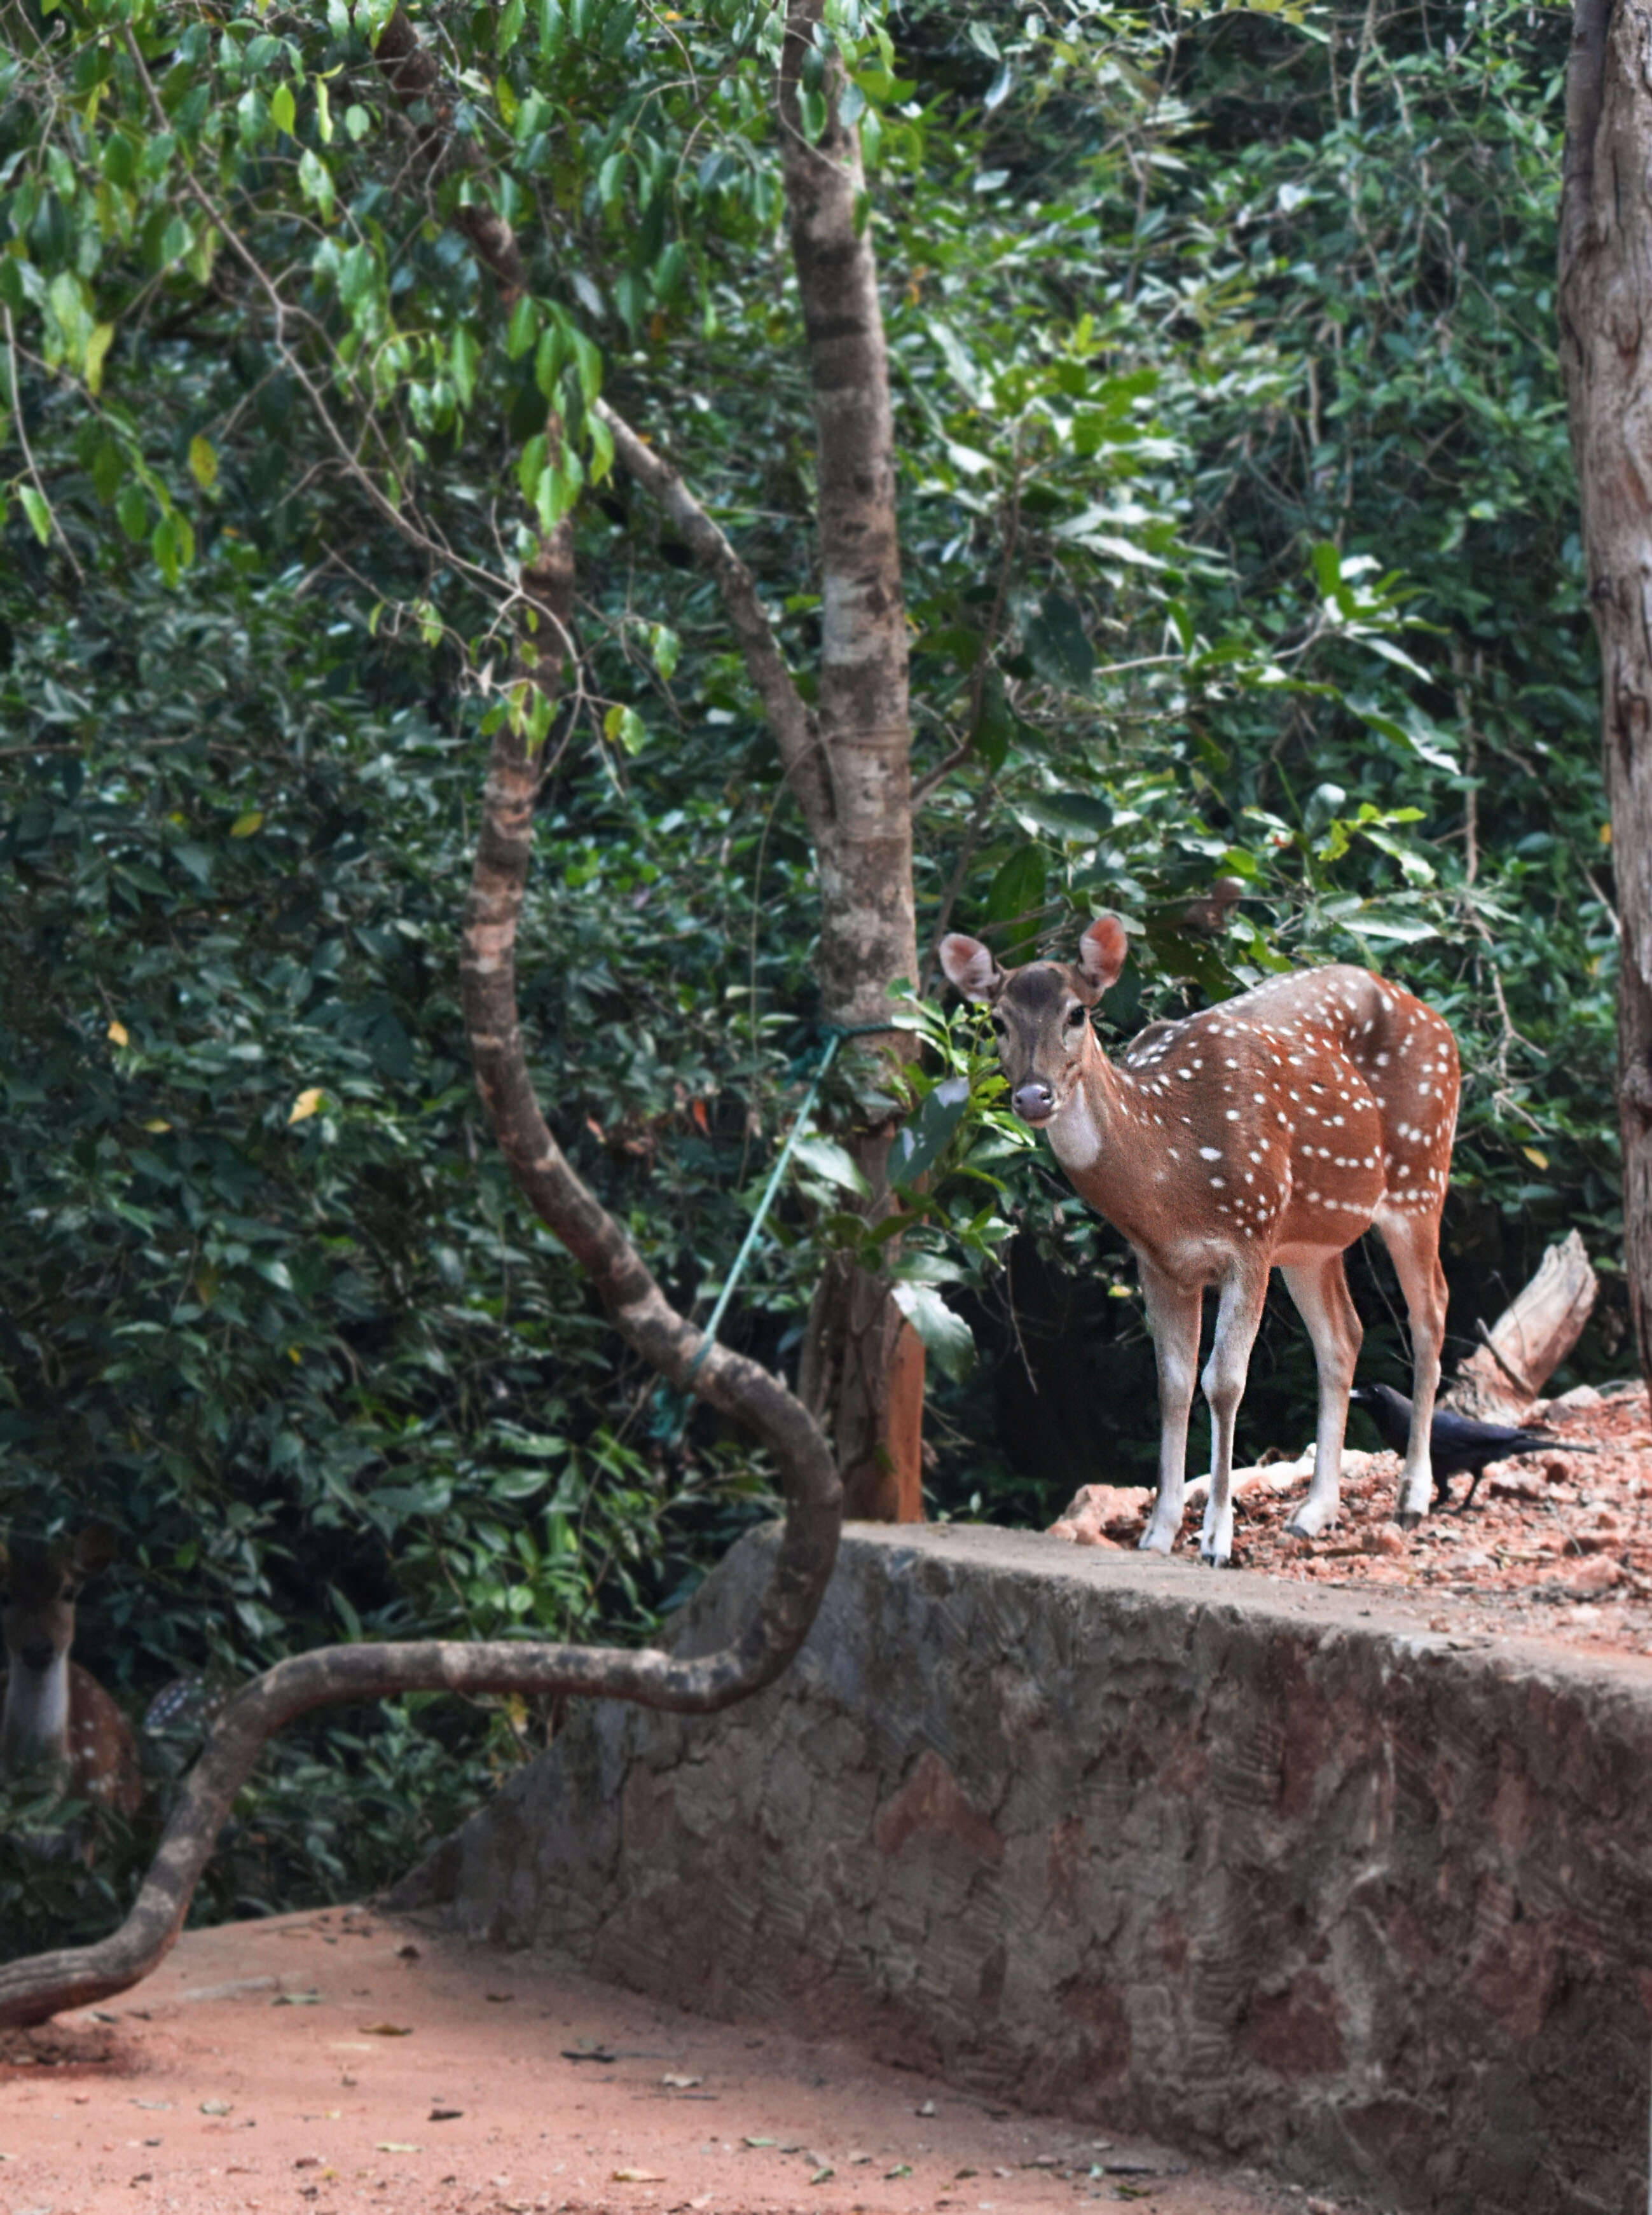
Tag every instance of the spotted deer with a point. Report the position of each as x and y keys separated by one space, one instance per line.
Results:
x=56 y=1715
x=1266 y=1133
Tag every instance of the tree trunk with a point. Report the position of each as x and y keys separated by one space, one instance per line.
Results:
x=863 y=1367
x=1605 y=351
x=847 y=761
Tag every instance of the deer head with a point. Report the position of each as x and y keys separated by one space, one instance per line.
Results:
x=41 y=1586
x=1040 y=1013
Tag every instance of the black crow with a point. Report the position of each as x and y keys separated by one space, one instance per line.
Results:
x=1455 y=1442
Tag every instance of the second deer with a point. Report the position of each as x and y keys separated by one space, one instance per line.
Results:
x=57 y=1717
x=1268 y=1132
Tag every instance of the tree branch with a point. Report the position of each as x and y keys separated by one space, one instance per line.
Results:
x=44 y=1984
x=415 y=76
x=1585 y=90
x=793 y=725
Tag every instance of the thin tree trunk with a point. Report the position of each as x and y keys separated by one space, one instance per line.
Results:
x=1605 y=351
x=847 y=759
x=863 y=1367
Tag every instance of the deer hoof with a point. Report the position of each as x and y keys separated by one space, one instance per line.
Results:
x=1154 y=1541
x=1215 y=1561
x=1408 y=1517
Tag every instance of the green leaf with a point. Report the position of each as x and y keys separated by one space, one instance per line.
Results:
x=1015 y=893
x=132 y=512
x=510 y=24
x=834 y=1161
x=165 y=547
x=203 y=462
x=1060 y=653
x=284 y=111
x=464 y=358
x=524 y=326
x=625 y=728
x=587 y=362
x=1071 y=815
x=38 y=514
x=1403 y=929
x=530 y=464
x=97 y=348
x=919 y=1143
x=947 y=1337
x=316 y=181
x=558 y=487
x=548 y=357
x=602 y=461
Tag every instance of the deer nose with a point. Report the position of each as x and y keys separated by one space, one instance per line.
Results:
x=1033 y=1102
x=39 y=1653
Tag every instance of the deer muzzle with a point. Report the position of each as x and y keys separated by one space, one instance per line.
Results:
x=1034 y=1102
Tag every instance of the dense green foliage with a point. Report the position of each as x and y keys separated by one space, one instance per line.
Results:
x=1239 y=532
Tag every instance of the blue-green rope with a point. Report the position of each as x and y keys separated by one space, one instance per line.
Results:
x=835 y=1036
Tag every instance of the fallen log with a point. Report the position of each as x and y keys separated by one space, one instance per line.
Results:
x=1529 y=1341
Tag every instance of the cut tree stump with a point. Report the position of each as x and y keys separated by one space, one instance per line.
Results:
x=1529 y=1341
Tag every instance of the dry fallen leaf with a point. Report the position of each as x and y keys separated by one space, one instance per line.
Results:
x=395 y=2146
x=682 y=2083
x=216 y=2108
x=638 y=2176
x=386 y=2029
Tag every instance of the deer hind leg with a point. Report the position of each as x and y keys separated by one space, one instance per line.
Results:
x=1321 y=1293
x=1174 y=1313
x=1413 y=1243
x=1238 y=1316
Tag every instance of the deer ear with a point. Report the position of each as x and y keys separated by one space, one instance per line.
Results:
x=1103 y=952
x=970 y=966
x=92 y=1550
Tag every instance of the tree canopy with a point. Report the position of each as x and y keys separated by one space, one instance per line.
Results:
x=1238 y=535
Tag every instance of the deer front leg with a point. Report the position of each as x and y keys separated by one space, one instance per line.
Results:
x=1321 y=1293
x=1173 y=1317
x=1237 y=1319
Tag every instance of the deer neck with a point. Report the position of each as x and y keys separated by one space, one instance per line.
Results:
x=35 y=1726
x=1083 y=1130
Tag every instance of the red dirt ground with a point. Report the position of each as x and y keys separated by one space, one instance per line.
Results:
x=1557 y=1545
x=255 y=2070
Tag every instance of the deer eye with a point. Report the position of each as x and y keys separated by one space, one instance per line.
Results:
x=1074 y=1015
x=998 y=1026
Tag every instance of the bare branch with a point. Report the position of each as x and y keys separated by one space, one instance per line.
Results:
x=793 y=725
x=28 y=457
x=46 y=1984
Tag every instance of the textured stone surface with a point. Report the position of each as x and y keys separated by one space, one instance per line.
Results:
x=1248 y=1867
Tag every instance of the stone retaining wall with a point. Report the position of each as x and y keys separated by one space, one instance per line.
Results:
x=1241 y=1864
